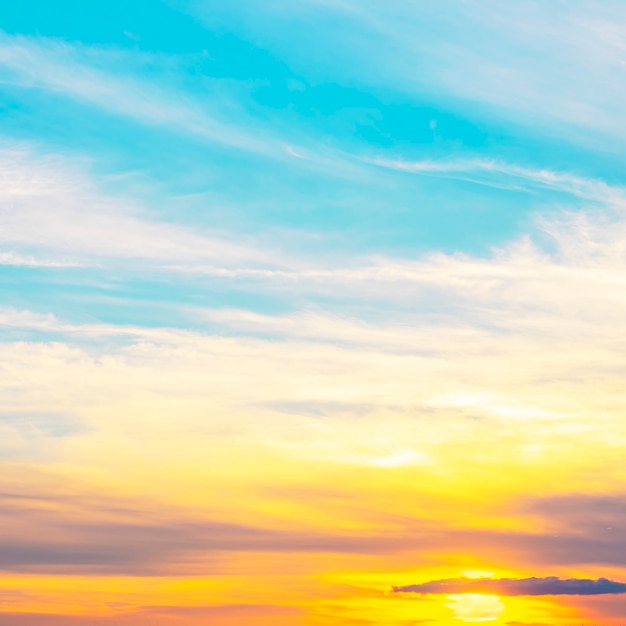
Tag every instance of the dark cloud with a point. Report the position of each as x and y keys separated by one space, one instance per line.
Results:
x=101 y=536
x=590 y=513
x=69 y=529
x=576 y=530
x=46 y=619
x=580 y=529
x=546 y=549
x=549 y=586
x=177 y=545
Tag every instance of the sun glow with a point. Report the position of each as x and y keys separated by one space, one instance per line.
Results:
x=476 y=573
x=473 y=607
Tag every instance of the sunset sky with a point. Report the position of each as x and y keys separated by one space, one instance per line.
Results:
x=313 y=312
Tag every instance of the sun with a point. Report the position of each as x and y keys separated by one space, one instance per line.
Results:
x=474 y=607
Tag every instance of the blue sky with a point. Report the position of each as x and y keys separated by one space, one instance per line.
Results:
x=258 y=124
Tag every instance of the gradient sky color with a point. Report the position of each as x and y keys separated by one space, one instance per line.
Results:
x=312 y=312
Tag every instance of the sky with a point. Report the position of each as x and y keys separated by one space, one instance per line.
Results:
x=312 y=312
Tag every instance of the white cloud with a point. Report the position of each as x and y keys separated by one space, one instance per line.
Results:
x=11 y=258
x=522 y=350
x=52 y=213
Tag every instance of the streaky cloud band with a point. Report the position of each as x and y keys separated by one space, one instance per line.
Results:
x=548 y=586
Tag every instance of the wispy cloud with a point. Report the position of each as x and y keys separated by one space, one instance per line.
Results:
x=113 y=535
x=52 y=213
x=22 y=260
x=80 y=73
x=116 y=82
x=495 y=173
x=219 y=614
x=546 y=65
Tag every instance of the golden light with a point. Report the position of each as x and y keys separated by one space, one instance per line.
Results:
x=474 y=607
x=476 y=573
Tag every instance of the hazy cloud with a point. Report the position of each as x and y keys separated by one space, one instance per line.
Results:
x=61 y=534
x=53 y=214
x=218 y=614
